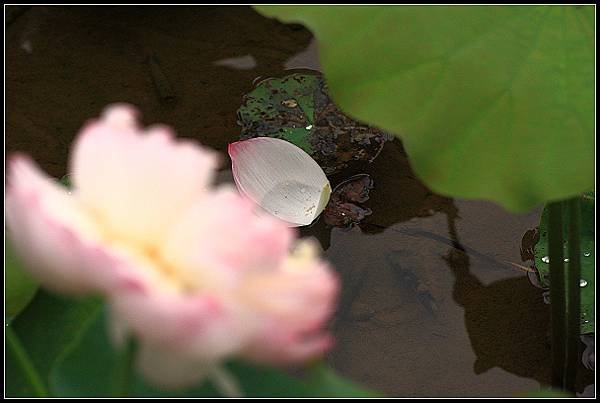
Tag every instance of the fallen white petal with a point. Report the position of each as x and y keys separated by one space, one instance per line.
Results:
x=281 y=178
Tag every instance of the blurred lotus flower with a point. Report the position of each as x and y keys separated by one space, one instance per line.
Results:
x=281 y=178
x=191 y=271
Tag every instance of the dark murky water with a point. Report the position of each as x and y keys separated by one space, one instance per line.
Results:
x=430 y=305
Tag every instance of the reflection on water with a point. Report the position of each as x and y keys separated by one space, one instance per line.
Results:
x=247 y=62
x=429 y=305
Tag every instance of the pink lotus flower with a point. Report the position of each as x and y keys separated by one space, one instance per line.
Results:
x=192 y=271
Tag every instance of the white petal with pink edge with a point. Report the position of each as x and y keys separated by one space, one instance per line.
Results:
x=281 y=178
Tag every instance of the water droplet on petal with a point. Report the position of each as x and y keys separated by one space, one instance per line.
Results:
x=582 y=283
x=546 y=259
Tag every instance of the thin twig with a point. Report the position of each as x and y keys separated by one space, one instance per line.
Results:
x=520 y=267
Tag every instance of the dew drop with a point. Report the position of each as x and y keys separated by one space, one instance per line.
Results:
x=582 y=283
x=546 y=259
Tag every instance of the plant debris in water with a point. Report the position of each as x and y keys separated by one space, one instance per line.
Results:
x=297 y=108
x=345 y=205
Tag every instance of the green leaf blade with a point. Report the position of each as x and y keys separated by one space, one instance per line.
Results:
x=587 y=258
x=20 y=288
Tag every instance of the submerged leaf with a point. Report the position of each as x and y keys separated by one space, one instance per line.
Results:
x=281 y=178
x=297 y=108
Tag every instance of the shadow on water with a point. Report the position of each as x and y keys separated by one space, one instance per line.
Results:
x=502 y=324
x=499 y=327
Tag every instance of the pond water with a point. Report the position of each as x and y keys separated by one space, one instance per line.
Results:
x=431 y=305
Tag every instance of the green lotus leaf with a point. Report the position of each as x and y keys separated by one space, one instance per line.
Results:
x=491 y=102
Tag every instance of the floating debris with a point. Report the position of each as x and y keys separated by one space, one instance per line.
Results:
x=298 y=109
x=344 y=208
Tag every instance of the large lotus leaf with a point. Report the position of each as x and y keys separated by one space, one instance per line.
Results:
x=587 y=259
x=86 y=368
x=47 y=328
x=490 y=102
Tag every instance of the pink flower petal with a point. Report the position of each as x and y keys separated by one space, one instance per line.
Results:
x=283 y=297
x=170 y=369
x=51 y=232
x=137 y=182
x=221 y=238
x=60 y=244
x=281 y=348
x=199 y=325
x=292 y=306
x=195 y=274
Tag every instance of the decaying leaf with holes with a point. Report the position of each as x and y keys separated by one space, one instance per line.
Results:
x=298 y=109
